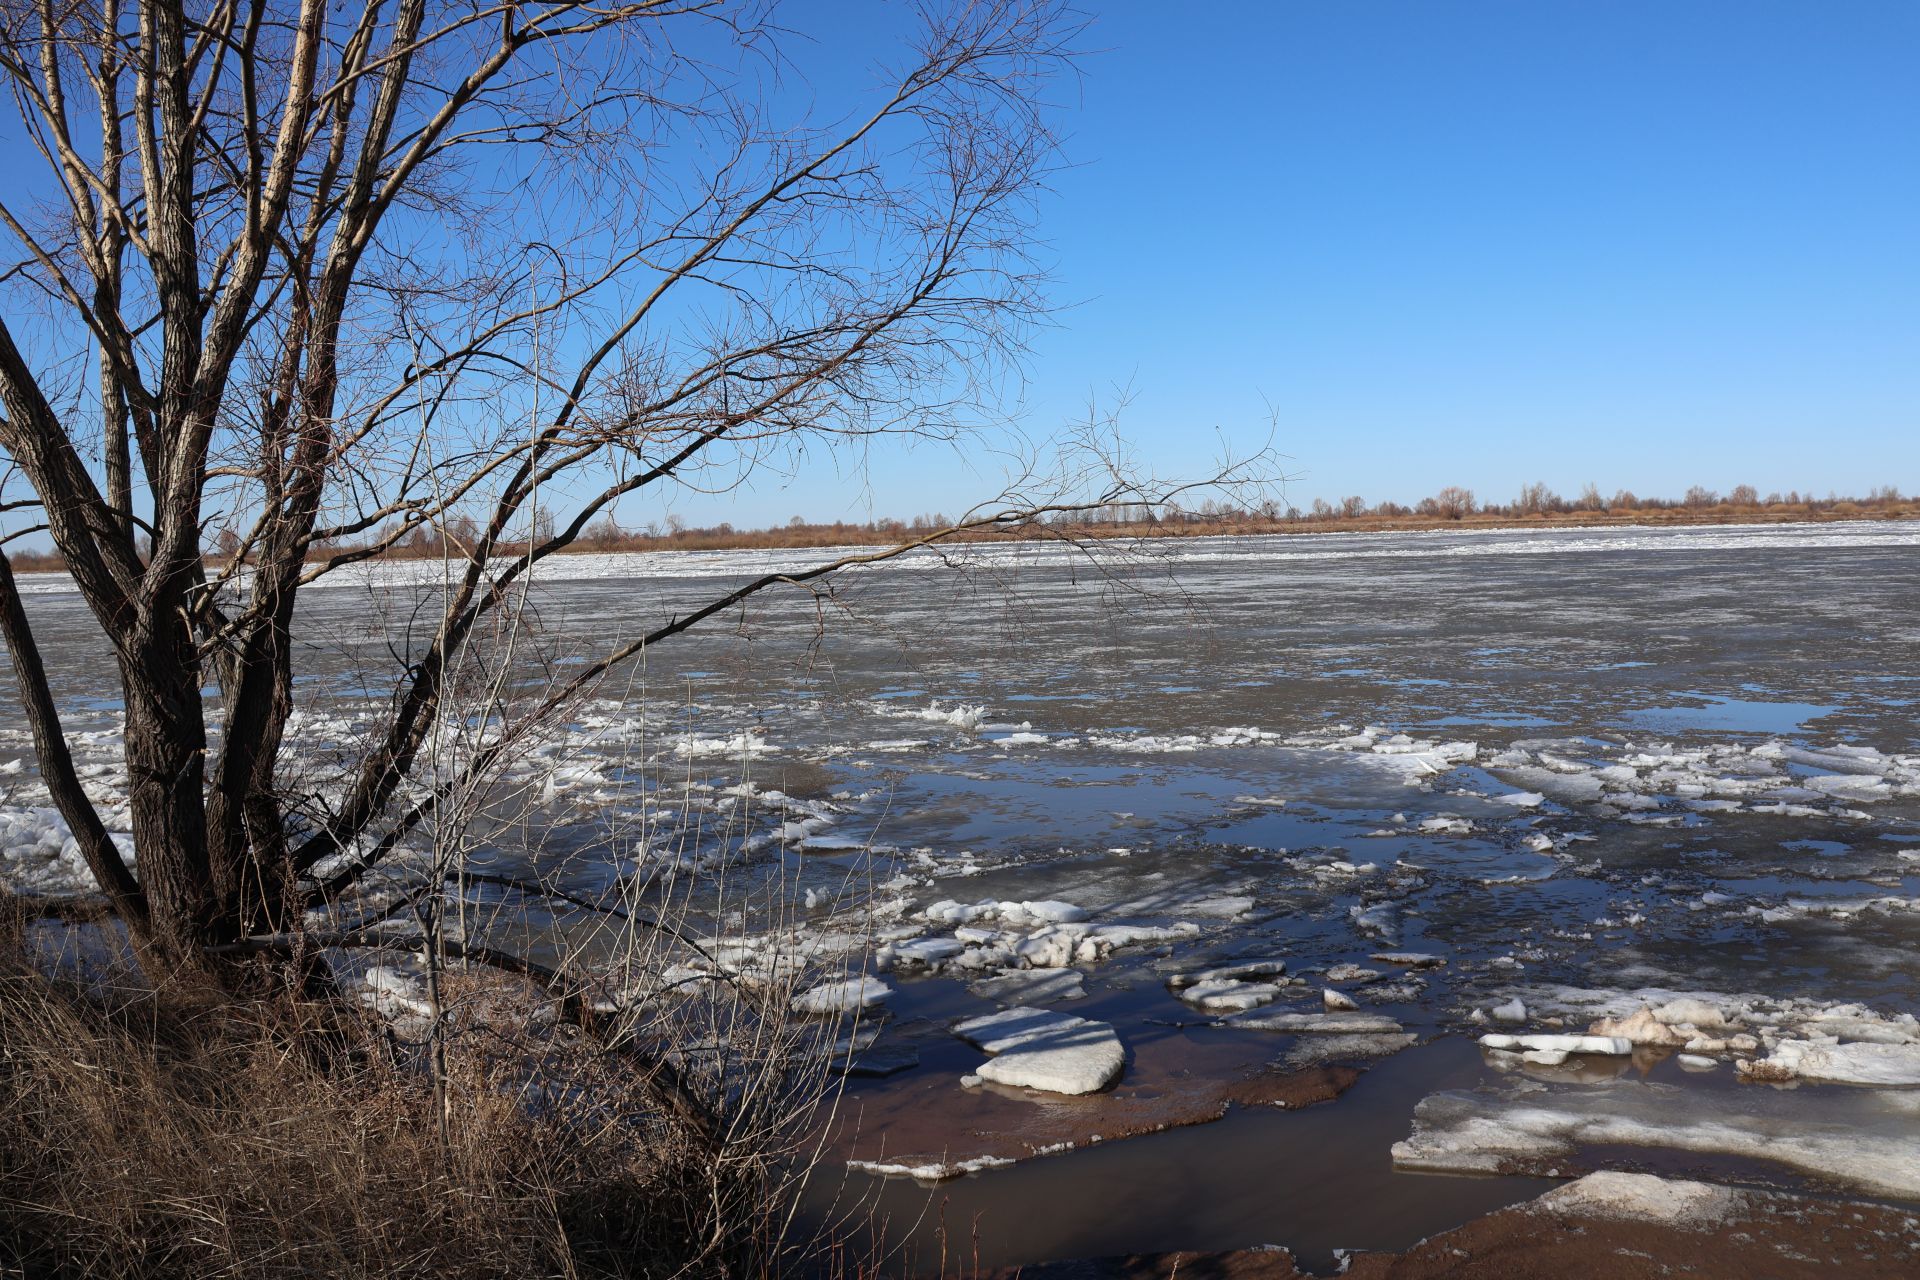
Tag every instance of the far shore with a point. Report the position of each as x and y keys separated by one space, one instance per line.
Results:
x=891 y=533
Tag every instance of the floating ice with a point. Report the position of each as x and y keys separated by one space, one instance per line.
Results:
x=1237 y=736
x=1229 y=996
x=1895 y=1065
x=1716 y=1022
x=916 y=953
x=699 y=747
x=1217 y=907
x=1343 y=1024
x=1026 y=986
x=1691 y=1010
x=1350 y=973
x=929 y=1170
x=1060 y=945
x=832 y=998
x=1382 y=920
x=1040 y=1049
x=1313 y=1051
x=1511 y=1011
x=1643 y=1027
x=949 y=912
x=1022 y=739
x=1410 y=959
x=1610 y=1045
x=961 y=716
x=1483 y=1133
x=1638 y=779
x=38 y=853
x=1242 y=971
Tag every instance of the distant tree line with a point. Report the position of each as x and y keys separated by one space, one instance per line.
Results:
x=1537 y=500
x=455 y=537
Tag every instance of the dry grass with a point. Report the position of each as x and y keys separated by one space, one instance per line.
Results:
x=144 y=1136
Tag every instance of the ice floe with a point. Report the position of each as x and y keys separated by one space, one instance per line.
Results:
x=1830 y=1062
x=917 y=953
x=1511 y=1011
x=1231 y=988
x=1059 y=945
x=1044 y=1050
x=1344 y=1024
x=1635 y=779
x=738 y=745
x=1832 y=1040
x=849 y=996
x=949 y=912
x=965 y=715
x=38 y=853
x=1029 y=986
x=1241 y=971
x=1227 y=995
x=1313 y=1051
x=1410 y=959
x=929 y=1170
x=1484 y=1133
x=1562 y=1044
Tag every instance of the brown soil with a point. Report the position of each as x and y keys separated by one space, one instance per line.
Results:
x=1170 y=1083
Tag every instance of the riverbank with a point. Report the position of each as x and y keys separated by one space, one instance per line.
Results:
x=854 y=536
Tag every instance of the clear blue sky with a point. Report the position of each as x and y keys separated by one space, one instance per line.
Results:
x=1644 y=244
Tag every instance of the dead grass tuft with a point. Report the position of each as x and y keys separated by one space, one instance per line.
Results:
x=143 y=1136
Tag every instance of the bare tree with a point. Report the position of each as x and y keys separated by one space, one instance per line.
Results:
x=1536 y=499
x=347 y=278
x=1454 y=503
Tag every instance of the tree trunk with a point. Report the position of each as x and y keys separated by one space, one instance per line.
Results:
x=166 y=754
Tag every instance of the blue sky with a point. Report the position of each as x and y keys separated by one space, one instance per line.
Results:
x=1477 y=242
x=1642 y=244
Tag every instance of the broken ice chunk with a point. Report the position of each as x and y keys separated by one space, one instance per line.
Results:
x=1612 y=1045
x=833 y=998
x=1040 y=1049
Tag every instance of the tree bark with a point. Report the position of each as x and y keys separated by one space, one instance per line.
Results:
x=166 y=754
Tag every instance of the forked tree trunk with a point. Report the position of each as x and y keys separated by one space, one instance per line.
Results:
x=249 y=157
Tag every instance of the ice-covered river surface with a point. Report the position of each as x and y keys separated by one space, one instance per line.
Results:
x=1475 y=786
